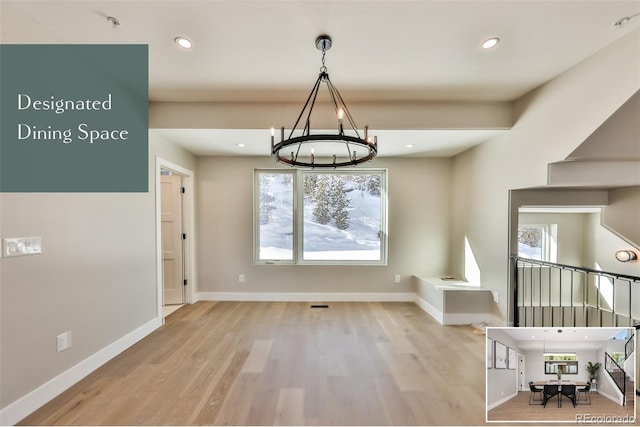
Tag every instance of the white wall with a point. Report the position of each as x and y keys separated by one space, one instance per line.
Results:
x=570 y=233
x=620 y=216
x=419 y=212
x=552 y=121
x=600 y=247
x=96 y=276
x=501 y=383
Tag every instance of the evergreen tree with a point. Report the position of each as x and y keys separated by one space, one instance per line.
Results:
x=373 y=185
x=321 y=196
x=340 y=203
x=310 y=181
x=266 y=200
x=360 y=181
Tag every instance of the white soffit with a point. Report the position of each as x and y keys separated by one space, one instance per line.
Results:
x=391 y=143
x=561 y=209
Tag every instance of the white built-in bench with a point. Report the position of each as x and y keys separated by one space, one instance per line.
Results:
x=454 y=302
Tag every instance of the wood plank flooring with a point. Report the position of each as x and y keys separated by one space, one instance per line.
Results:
x=261 y=363
x=518 y=408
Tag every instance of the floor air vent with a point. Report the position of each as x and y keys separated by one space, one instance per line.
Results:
x=319 y=306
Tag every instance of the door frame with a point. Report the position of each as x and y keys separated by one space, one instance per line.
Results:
x=188 y=223
x=521 y=376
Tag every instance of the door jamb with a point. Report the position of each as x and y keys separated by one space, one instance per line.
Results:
x=188 y=219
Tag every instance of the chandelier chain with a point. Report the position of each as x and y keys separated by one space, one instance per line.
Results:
x=323 y=69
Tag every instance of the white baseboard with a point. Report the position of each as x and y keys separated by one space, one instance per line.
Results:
x=501 y=401
x=306 y=297
x=466 y=318
x=616 y=399
x=27 y=404
x=429 y=309
x=457 y=318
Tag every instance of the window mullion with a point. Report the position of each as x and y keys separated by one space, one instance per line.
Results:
x=298 y=215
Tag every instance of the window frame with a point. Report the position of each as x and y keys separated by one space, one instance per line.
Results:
x=298 y=217
x=571 y=363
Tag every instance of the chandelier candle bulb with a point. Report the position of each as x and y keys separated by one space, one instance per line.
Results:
x=273 y=131
x=282 y=134
x=366 y=133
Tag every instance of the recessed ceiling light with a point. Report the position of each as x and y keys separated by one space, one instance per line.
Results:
x=240 y=144
x=488 y=44
x=410 y=145
x=183 y=42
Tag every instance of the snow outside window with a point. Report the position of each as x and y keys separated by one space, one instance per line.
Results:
x=274 y=205
x=538 y=242
x=312 y=217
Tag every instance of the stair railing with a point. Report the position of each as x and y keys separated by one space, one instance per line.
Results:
x=629 y=347
x=551 y=294
x=617 y=374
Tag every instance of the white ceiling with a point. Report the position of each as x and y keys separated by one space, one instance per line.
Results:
x=384 y=51
x=570 y=339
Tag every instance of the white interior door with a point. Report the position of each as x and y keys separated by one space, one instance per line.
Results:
x=171 y=228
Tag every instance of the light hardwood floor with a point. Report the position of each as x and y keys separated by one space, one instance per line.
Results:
x=259 y=363
x=518 y=409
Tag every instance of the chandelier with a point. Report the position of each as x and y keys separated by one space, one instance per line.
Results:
x=346 y=139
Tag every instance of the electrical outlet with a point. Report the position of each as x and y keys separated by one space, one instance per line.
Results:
x=64 y=341
x=241 y=278
x=19 y=246
x=397 y=278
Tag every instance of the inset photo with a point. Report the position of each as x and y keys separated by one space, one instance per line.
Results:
x=558 y=374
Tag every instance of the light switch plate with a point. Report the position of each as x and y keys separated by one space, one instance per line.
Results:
x=20 y=246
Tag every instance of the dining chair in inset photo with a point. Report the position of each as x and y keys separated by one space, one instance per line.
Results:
x=586 y=391
x=532 y=396
x=549 y=391
x=570 y=392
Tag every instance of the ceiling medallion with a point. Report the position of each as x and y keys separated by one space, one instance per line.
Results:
x=346 y=140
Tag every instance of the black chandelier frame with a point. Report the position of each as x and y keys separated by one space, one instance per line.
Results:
x=351 y=142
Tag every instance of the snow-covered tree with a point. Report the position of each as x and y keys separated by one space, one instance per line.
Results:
x=310 y=181
x=266 y=200
x=373 y=185
x=321 y=196
x=340 y=203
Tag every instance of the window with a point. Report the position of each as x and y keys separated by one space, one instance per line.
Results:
x=565 y=363
x=275 y=215
x=312 y=217
x=538 y=242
